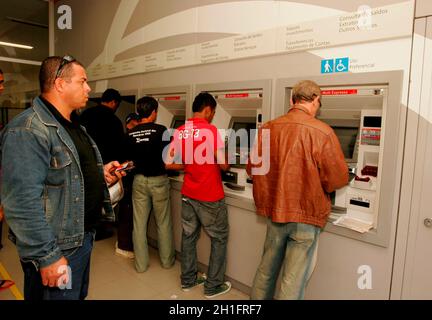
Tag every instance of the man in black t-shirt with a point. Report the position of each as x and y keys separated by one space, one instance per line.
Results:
x=151 y=186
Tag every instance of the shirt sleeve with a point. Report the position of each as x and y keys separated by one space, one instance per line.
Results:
x=176 y=144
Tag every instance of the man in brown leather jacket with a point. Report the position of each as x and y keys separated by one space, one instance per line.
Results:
x=306 y=163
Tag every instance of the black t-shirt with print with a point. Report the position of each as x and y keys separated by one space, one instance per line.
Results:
x=146 y=147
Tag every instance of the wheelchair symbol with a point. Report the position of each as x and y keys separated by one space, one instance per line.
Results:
x=340 y=67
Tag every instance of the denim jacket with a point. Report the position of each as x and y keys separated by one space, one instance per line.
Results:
x=43 y=186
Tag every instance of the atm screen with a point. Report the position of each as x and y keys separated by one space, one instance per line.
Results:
x=372 y=122
x=244 y=142
x=177 y=122
x=347 y=138
x=248 y=126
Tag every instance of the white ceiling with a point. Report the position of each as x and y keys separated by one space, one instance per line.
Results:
x=33 y=31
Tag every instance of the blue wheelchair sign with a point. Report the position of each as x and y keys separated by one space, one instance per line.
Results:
x=341 y=65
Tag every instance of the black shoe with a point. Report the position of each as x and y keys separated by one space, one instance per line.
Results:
x=102 y=234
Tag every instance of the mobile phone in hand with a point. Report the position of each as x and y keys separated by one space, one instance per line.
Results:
x=125 y=166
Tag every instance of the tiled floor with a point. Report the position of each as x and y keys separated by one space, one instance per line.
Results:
x=114 y=278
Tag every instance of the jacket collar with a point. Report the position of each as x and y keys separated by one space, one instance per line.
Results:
x=300 y=107
x=44 y=114
x=48 y=119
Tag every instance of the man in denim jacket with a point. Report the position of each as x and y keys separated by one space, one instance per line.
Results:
x=54 y=188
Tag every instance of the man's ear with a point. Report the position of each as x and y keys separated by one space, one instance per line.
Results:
x=207 y=111
x=59 y=84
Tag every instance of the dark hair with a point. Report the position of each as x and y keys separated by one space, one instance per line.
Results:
x=202 y=100
x=1 y=71
x=131 y=116
x=48 y=71
x=146 y=105
x=110 y=95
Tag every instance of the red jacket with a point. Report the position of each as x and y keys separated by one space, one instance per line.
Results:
x=306 y=164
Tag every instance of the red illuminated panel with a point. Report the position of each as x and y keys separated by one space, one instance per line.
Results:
x=237 y=95
x=338 y=92
x=172 y=98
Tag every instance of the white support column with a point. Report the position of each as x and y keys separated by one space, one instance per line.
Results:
x=51 y=27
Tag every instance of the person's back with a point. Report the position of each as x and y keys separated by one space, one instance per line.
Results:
x=198 y=149
x=305 y=164
x=147 y=147
x=151 y=187
x=304 y=167
x=200 y=175
x=105 y=128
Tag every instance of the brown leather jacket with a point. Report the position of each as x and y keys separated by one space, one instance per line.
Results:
x=306 y=164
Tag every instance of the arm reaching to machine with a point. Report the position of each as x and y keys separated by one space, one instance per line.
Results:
x=173 y=160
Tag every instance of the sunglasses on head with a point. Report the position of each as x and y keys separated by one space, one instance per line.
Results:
x=65 y=61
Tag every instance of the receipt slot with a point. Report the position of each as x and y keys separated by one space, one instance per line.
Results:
x=364 y=112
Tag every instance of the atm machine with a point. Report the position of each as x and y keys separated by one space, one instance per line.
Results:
x=356 y=115
x=363 y=110
x=173 y=104
x=241 y=108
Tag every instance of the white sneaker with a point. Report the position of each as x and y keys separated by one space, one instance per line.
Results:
x=124 y=253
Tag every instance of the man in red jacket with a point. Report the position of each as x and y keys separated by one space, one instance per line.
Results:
x=306 y=163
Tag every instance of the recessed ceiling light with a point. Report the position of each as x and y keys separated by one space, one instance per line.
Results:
x=15 y=45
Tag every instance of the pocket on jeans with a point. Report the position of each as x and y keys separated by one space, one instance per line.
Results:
x=160 y=191
x=212 y=212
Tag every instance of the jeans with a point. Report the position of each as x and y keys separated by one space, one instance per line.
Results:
x=79 y=262
x=293 y=247
x=148 y=193
x=213 y=216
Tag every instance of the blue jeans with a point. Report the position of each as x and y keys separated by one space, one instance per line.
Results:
x=152 y=193
x=213 y=216
x=291 y=245
x=79 y=262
